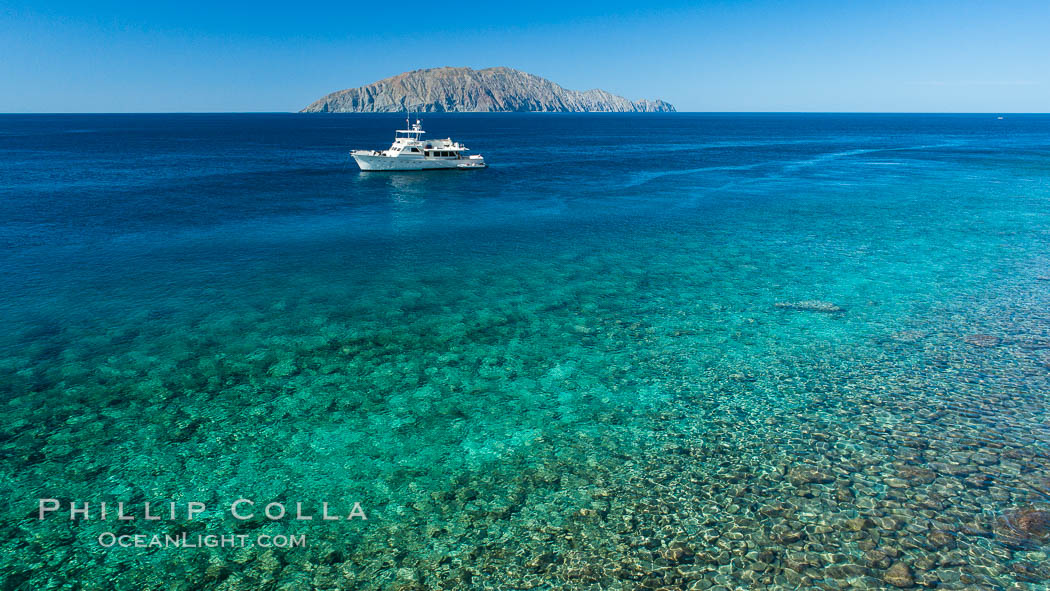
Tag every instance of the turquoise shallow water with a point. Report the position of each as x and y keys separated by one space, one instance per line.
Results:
x=749 y=351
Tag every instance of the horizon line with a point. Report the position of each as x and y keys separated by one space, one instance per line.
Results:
x=9 y=113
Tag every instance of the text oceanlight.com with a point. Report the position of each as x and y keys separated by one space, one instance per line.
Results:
x=184 y=540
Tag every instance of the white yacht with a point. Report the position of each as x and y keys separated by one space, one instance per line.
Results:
x=411 y=152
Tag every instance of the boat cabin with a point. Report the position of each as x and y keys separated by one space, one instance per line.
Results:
x=408 y=143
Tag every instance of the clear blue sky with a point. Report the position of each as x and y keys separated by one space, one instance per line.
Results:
x=842 y=55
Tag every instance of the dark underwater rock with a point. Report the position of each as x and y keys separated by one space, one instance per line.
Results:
x=940 y=539
x=1031 y=524
x=982 y=340
x=800 y=476
x=899 y=575
x=811 y=306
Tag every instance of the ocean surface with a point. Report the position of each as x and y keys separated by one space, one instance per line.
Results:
x=682 y=351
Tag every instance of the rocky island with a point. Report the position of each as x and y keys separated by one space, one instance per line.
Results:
x=467 y=90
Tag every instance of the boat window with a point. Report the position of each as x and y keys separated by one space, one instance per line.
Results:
x=415 y=150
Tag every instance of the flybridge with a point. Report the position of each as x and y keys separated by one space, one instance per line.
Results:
x=415 y=128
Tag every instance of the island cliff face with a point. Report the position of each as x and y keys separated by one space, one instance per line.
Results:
x=467 y=90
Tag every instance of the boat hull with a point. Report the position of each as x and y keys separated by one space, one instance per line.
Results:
x=370 y=162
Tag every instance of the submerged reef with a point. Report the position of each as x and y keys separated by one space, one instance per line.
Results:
x=575 y=440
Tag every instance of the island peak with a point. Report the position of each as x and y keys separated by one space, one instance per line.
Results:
x=462 y=89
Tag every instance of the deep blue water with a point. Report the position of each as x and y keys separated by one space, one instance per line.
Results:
x=631 y=334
